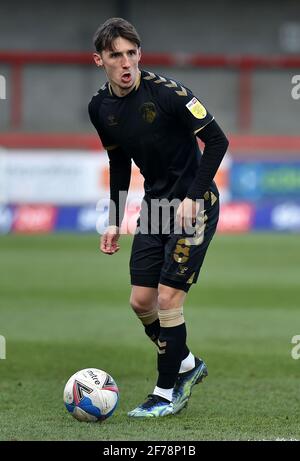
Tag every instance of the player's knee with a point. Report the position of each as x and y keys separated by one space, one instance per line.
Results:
x=141 y=305
x=166 y=301
x=170 y=298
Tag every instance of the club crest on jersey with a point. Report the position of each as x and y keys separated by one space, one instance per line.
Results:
x=148 y=111
x=112 y=120
x=196 y=108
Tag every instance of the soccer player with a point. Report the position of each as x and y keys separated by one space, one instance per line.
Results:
x=155 y=121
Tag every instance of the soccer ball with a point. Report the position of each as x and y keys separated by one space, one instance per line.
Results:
x=91 y=395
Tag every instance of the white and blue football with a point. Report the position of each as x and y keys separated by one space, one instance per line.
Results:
x=91 y=395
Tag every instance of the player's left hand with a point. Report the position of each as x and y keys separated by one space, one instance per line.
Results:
x=186 y=214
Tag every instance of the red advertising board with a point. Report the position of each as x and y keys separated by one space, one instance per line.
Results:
x=236 y=217
x=34 y=219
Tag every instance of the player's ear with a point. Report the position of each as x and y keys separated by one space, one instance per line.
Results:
x=98 y=59
x=139 y=54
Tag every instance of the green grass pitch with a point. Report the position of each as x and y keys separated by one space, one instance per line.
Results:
x=64 y=307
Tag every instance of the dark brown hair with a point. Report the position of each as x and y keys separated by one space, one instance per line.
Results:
x=112 y=29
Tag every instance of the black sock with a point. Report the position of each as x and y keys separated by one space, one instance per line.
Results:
x=171 y=350
x=153 y=331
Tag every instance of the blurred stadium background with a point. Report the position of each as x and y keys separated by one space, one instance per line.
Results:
x=52 y=167
x=57 y=292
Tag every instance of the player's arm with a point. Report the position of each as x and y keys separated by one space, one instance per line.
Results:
x=192 y=114
x=216 y=145
x=120 y=173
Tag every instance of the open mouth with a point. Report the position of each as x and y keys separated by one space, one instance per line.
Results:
x=126 y=77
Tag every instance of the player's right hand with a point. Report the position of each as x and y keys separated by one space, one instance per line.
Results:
x=109 y=240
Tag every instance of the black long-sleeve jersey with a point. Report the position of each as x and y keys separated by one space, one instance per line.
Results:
x=155 y=125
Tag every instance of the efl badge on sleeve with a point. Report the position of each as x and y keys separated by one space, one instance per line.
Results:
x=196 y=108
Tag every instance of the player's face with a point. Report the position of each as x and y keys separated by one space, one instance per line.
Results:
x=120 y=65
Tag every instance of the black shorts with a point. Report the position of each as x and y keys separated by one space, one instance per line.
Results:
x=171 y=259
